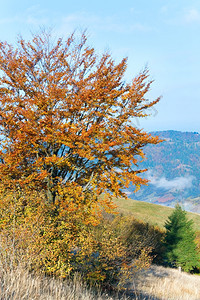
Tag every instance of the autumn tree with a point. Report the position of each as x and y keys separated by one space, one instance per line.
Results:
x=66 y=117
x=67 y=137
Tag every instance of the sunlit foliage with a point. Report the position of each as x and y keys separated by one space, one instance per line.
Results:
x=66 y=138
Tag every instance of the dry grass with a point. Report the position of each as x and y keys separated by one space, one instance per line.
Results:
x=159 y=283
x=156 y=283
x=18 y=284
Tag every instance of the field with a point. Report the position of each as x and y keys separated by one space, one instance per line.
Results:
x=152 y=213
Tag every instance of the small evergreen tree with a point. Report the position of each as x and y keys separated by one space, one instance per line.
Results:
x=180 y=247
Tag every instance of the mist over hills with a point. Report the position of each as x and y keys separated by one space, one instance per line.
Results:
x=173 y=170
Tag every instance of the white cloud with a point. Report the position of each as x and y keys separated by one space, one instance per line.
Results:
x=9 y=20
x=140 y=27
x=164 y=9
x=128 y=193
x=32 y=15
x=192 y=15
x=33 y=9
x=36 y=21
x=178 y=183
x=106 y=23
x=184 y=17
x=81 y=17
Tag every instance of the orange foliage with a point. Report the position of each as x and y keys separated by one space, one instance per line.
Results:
x=66 y=138
x=66 y=118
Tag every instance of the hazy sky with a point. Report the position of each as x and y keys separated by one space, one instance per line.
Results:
x=163 y=34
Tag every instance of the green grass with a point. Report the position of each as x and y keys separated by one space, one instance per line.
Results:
x=151 y=213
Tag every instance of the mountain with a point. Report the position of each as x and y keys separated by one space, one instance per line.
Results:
x=173 y=171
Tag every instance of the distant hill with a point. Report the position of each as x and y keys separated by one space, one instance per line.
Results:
x=154 y=214
x=173 y=170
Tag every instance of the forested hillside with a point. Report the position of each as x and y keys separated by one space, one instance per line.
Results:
x=173 y=170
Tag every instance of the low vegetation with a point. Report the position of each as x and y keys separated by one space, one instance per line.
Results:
x=138 y=240
x=154 y=283
x=18 y=283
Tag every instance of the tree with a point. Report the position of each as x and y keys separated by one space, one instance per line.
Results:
x=180 y=245
x=65 y=118
x=66 y=138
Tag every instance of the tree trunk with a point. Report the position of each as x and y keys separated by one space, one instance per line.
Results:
x=51 y=195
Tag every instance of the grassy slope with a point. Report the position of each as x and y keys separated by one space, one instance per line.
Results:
x=152 y=213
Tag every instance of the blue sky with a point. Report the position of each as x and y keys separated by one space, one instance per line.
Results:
x=163 y=34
